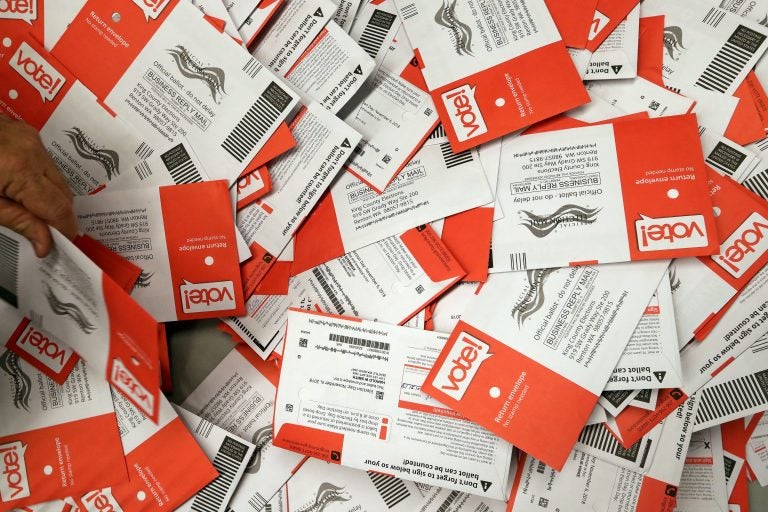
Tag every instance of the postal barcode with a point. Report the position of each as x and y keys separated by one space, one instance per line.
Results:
x=180 y=166
x=518 y=261
x=762 y=145
x=376 y=31
x=454 y=159
x=599 y=437
x=713 y=17
x=328 y=291
x=732 y=58
x=758 y=184
x=437 y=133
x=391 y=489
x=409 y=11
x=452 y=497
x=144 y=151
x=252 y=67
x=227 y=462
x=243 y=329
x=359 y=342
x=734 y=396
x=9 y=270
x=256 y=123
x=204 y=428
x=257 y=501
x=760 y=345
x=143 y=170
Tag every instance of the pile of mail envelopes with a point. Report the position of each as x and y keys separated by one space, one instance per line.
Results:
x=476 y=255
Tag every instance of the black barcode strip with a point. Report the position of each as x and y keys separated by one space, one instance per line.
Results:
x=144 y=151
x=518 y=261
x=267 y=508
x=762 y=145
x=328 y=291
x=453 y=496
x=204 y=428
x=758 y=184
x=391 y=489
x=673 y=89
x=732 y=397
x=180 y=166
x=599 y=437
x=409 y=11
x=760 y=345
x=454 y=159
x=540 y=467
x=143 y=170
x=252 y=67
x=730 y=464
x=724 y=68
x=359 y=342
x=437 y=132
x=9 y=270
x=251 y=129
x=376 y=31
x=244 y=330
x=714 y=17
x=227 y=462
x=257 y=501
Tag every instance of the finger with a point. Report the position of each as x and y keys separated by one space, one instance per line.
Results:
x=44 y=200
x=53 y=173
x=20 y=220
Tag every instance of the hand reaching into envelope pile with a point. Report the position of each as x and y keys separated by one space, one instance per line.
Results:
x=476 y=254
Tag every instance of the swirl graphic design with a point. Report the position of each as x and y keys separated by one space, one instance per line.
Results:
x=22 y=385
x=674 y=281
x=542 y=225
x=144 y=280
x=260 y=439
x=212 y=76
x=533 y=299
x=673 y=41
x=107 y=158
x=70 y=310
x=764 y=21
x=462 y=34
x=327 y=493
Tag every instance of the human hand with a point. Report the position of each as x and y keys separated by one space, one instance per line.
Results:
x=33 y=193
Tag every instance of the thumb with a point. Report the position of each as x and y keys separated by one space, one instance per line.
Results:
x=20 y=220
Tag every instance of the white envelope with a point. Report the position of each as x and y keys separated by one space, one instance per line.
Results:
x=182 y=78
x=346 y=12
x=331 y=71
x=742 y=324
x=703 y=487
x=707 y=46
x=394 y=117
x=651 y=359
x=641 y=95
x=350 y=394
x=439 y=499
x=299 y=178
x=538 y=343
x=579 y=189
x=435 y=184
x=229 y=454
x=237 y=397
x=292 y=30
x=740 y=390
